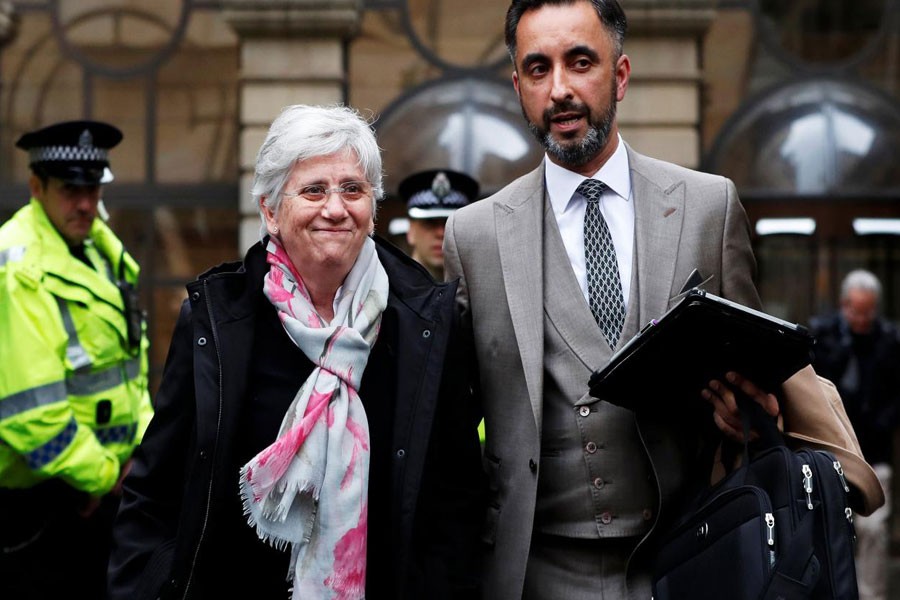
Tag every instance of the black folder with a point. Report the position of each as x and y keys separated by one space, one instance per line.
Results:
x=674 y=357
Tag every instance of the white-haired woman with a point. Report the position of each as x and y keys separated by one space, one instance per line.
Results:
x=314 y=428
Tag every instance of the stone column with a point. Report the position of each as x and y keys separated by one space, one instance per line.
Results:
x=291 y=52
x=8 y=21
x=661 y=113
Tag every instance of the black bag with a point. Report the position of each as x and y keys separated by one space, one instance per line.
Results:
x=777 y=527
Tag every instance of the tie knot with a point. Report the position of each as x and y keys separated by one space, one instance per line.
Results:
x=591 y=189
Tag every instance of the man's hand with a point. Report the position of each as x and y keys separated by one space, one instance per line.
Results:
x=123 y=473
x=90 y=506
x=723 y=397
x=93 y=502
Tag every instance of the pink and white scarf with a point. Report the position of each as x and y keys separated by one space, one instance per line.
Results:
x=309 y=488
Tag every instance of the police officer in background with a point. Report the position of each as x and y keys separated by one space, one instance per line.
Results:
x=432 y=196
x=74 y=401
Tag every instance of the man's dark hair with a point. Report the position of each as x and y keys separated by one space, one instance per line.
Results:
x=41 y=174
x=611 y=16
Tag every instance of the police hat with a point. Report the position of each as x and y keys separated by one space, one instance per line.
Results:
x=74 y=151
x=437 y=193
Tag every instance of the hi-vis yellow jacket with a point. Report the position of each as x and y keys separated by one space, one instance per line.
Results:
x=74 y=401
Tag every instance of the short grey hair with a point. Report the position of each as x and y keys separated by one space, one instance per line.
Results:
x=860 y=279
x=302 y=132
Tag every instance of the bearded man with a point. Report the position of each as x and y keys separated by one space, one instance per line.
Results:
x=558 y=270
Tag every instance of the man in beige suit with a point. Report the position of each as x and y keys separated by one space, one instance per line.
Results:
x=577 y=485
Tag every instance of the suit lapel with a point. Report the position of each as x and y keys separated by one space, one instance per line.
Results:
x=658 y=212
x=565 y=305
x=519 y=240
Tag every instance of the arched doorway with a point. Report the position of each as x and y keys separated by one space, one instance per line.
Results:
x=823 y=150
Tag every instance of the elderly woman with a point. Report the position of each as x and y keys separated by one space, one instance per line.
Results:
x=314 y=428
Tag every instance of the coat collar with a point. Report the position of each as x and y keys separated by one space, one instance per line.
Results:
x=51 y=255
x=241 y=281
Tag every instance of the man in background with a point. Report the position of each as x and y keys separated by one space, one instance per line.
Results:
x=860 y=352
x=74 y=401
x=432 y=196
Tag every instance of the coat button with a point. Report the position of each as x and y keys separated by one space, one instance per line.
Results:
x=532 y=465
x=590 y=447
x=426 y=334
x=584 y=411
x=606 y=518
x=195 y=296
x=201 y=341
x=599 y=483
x=647 y=514
x=401 y=453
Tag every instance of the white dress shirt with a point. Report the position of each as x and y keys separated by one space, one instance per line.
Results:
x=616 y=206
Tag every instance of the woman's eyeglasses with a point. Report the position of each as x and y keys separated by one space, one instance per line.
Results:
x=318 y=193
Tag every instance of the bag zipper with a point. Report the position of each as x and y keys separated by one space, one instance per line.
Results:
x=848 y=512
x=808 y=485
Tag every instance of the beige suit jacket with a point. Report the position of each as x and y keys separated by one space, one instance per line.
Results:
x=684 y=220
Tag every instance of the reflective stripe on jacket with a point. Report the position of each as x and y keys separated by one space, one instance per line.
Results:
x=73 y=393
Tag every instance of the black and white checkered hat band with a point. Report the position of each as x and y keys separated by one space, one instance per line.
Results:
x=67 y=154
x=428 y=199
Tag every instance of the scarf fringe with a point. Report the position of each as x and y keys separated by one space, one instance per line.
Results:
x=278 y=513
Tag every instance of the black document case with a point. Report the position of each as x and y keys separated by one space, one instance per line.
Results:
x=673 y=358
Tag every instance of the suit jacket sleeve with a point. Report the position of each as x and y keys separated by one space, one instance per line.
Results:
x=738 y=263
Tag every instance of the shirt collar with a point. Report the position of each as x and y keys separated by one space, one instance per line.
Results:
x=562 y=183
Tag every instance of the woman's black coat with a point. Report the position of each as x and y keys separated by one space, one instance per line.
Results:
x=178 y=478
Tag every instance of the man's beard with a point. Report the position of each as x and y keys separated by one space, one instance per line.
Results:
x=574 y=152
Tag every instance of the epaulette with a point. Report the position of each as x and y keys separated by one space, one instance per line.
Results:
x=27 y=272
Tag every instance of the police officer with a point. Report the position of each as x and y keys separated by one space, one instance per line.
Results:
x=432 y=196
x=74 y=401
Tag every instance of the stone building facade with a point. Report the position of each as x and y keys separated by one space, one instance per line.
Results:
x=797 y=102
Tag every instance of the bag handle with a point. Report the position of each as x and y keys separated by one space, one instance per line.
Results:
x=754 y=416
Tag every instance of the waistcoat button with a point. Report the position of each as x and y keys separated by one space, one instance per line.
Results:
x=584 y=411
x=201 y=341
x=606 y=518
x=532 y=465
x=599 y=483
x=591 y=447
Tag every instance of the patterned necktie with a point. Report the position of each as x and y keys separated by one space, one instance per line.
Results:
x=604 y=286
